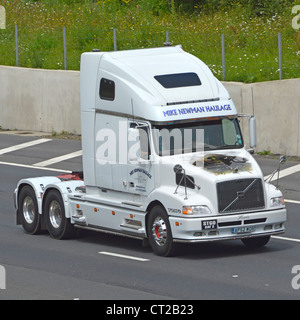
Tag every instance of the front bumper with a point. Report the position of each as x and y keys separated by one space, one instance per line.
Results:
x=258 y=224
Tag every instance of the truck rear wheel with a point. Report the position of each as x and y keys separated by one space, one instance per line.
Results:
x=28 y=211
x=58 y=226
x=159 y=232
x=253 y=243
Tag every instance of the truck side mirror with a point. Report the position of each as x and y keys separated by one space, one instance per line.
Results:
x=282 y=159
x=252 y=132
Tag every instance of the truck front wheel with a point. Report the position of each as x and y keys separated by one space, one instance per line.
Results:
x=58 y=226
x=28 y=211
x=159 y=232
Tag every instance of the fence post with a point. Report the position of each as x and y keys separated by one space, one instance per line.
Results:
x=280 y=55
x=17 y=45
x=223 y=56
x=65 y=48
x=115 y=40
x=167 y=43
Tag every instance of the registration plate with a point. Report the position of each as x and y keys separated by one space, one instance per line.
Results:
x=242 y=230
x=209 y=225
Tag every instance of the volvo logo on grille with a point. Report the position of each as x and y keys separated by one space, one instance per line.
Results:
x=241 y=195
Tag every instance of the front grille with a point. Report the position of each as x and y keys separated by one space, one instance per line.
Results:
x=240 y=195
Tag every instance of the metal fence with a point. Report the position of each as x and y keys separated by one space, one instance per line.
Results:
x=166 y=43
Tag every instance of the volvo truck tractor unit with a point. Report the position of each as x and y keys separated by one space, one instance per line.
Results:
x=164 y=159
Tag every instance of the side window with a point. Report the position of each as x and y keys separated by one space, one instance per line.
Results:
x=229 y=132
x=145 y=143
x=144 y=140
x=107 y=89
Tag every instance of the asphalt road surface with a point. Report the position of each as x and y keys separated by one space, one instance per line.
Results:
x=106 y=267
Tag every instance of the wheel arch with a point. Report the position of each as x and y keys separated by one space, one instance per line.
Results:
x=47 y=191
x=17 y=199
x=21 y=186
x=160 y=233
x=35 y=225
x=65 y=189
x=38 y=185
x=150 y=207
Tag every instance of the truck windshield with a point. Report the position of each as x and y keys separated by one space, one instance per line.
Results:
x=197 y=136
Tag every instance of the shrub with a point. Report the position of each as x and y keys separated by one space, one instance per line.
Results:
x=266 y=7
x=253 y=7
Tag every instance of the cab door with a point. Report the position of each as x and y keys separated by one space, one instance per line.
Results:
x=141 y=170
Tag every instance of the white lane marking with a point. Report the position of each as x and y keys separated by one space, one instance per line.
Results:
x=59 y=159
x=23 y=146
x=286 y=239
x=33 y=167
x=286 y=172
x=292 y=201
x=123 y=256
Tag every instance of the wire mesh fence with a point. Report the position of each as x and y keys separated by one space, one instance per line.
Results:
x=230 y=57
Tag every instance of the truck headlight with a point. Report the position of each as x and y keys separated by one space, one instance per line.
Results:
x=196 y=210
x=277 y=202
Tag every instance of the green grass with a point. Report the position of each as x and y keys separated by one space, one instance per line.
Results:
x=251 y=40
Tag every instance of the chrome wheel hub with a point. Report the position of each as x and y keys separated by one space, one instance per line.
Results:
x=28 y=210
x=159 y=231
x=55 y=214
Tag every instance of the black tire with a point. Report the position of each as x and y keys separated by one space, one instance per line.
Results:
x=58 y=226
x=159 y=232
x=28 y=211
x=254 y=243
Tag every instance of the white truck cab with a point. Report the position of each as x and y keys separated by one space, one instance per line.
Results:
x=164 y=159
